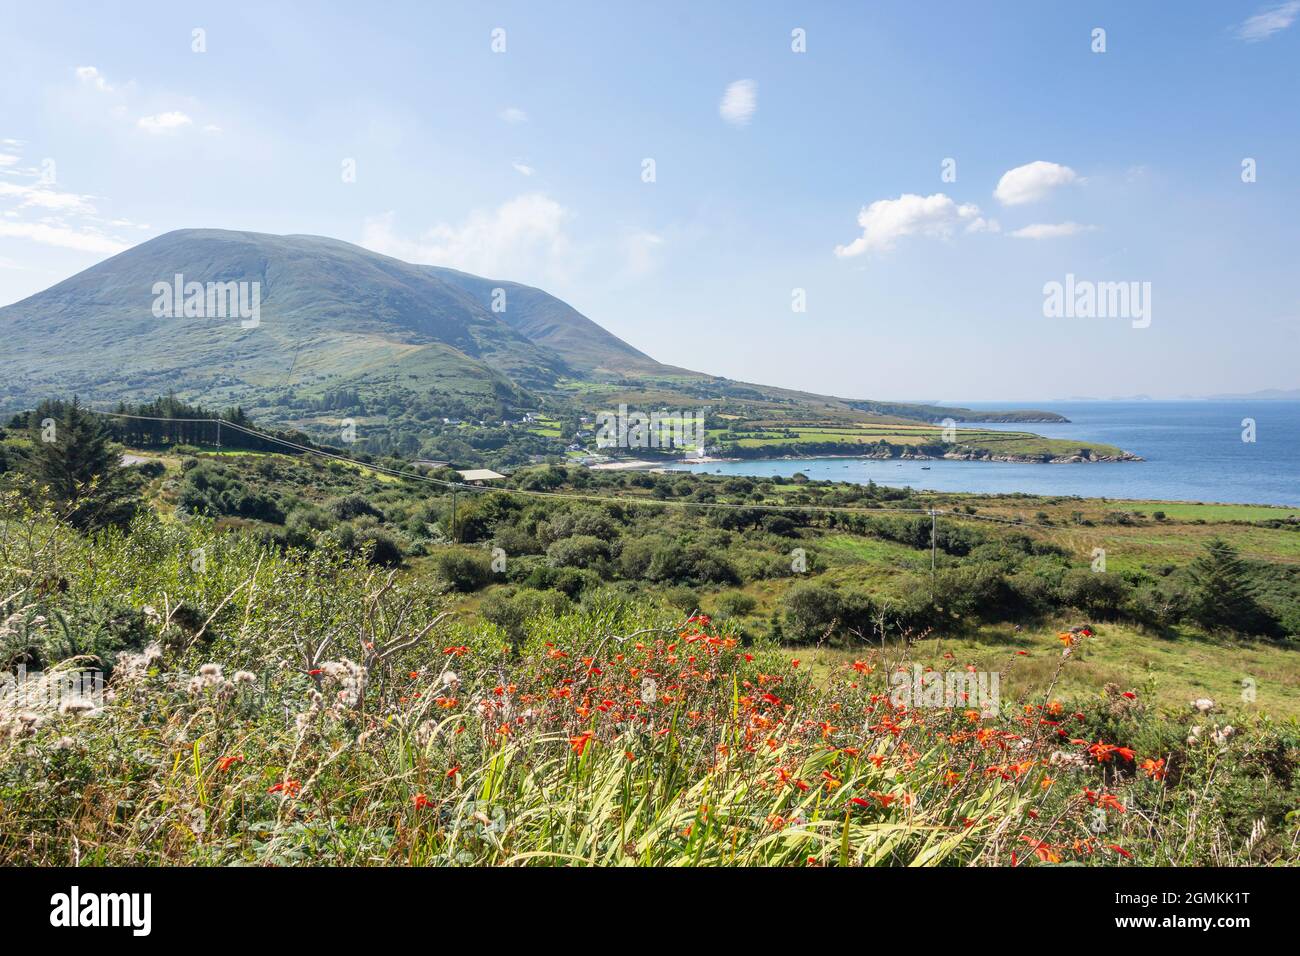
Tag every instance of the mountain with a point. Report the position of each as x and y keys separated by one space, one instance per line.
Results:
x=334 y=319
x=331 y=313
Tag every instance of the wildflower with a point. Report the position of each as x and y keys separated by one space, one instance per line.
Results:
x=245 y=677
x=579 y=743
x=290 y=788
x=1155 y=769
x=1042 y=850
x=225 y=762
x=420 y=801
x=1202 y=705
x=1221 y=737
x=1111 y=802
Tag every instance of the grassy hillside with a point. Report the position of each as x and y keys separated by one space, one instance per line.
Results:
x=347 y=334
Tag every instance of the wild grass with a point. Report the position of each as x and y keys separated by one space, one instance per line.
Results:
x=290 y=709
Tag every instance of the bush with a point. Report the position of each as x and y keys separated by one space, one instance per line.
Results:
x=379 y=547
x=736 y=604
x=579 y=551
x=463 y=570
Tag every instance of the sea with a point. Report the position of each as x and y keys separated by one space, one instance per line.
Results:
x=1192 y=451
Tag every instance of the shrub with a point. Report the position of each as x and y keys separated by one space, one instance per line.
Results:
x=464 y=570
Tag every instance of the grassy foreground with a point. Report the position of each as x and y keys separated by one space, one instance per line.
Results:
x=273 y=707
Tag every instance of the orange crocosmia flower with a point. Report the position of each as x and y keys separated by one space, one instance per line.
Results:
x=1046 y=782
x=453 y=771
x=831 y=782
x=420 y=801
x=556 y=654
x=290 y=788
x=1155 y=769
x=1110 y=801
x=225 y=762
x=862 y=667
x=951 y=778
x=457 y=651
x=1120 y=850
x=1065 y=638
x=794 y=662
x=1042 y=850
x=885 y=798
x=446 y=703
x=579 y=743
x=877 y=759
x=414 y=674
x=1129 y=694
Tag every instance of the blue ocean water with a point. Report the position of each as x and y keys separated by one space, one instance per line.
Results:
x=1193 y=451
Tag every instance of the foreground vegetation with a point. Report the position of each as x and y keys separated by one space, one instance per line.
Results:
x=319 y=663
x=306 y=708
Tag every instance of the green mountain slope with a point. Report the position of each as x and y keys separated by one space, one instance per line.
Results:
x=338 y=321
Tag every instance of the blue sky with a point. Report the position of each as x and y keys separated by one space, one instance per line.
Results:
x=527 y=164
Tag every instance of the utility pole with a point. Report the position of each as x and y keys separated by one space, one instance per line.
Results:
x=453 y=515
x=933 y=526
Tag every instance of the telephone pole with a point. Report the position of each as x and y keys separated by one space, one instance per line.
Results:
x=933 y=527
x=453 y=515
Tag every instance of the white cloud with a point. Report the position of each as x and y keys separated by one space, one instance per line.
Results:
x=886 y=221
x=164 y=122
x=63 y=236
x=523 y=169
x=212 y=130
x=640 y=251
x=1050 y=230
x=739 y=102
x=514 y=115
x=520 y=239
x=92 y=77
x=46 y=198
x=1269 y=21
x=8 y=159
x=1032 y=182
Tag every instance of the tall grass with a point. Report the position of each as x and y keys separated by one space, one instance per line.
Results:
x=270 y=708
